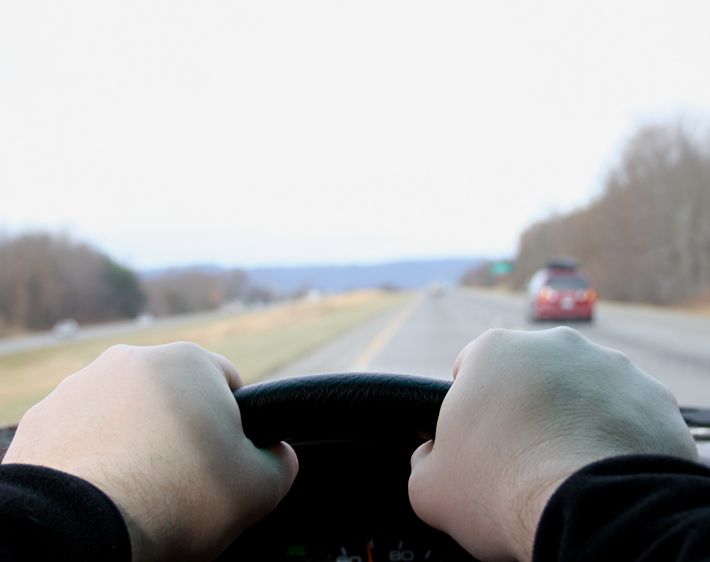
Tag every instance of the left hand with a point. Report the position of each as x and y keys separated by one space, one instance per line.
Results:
x=158 y=430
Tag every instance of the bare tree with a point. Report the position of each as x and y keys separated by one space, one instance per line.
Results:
x=44 y=278
x=647 y=238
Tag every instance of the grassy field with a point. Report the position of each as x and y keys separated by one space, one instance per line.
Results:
x=257 y=342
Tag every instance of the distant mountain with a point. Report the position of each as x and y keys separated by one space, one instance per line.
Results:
x=410 y=274
x=207 y=268
x=329 y=278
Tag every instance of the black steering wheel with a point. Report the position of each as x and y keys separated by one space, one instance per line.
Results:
x=354 y=435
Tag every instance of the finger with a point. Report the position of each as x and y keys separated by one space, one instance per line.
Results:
x=423 y=484
x=234 y=379
x=286 y=456
x=277 y=467
x=420 y=453
x=496 y=333
x=460 y=358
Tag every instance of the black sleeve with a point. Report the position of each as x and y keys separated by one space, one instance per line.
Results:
x=632 y=508
x=50 y=515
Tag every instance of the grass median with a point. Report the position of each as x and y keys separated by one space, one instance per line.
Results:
x=258 y=342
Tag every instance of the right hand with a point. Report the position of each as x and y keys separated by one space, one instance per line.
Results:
x=158 y=430
x=525 y=411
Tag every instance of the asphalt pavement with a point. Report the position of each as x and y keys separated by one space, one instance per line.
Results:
x=424 y=336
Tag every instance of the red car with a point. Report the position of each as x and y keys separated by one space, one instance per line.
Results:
x=561 y=291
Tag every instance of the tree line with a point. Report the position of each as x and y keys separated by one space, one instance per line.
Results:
x=45 y=278
x=185 y=290
x=647 y=237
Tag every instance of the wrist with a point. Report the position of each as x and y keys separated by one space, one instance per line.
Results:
x=143 y=543
x=528 y=510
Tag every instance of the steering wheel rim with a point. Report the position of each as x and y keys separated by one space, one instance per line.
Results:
x=341 y=407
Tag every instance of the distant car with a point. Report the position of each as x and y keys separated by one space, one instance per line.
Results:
x=144 y=320
x=561 y=291
x=65 y=329
x=437 y=288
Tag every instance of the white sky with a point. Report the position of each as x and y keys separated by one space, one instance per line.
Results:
x=265 y=132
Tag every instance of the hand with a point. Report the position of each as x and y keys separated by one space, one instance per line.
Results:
x=158 y=430
x=525 y=411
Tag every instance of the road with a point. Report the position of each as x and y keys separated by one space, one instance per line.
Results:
x=424 y=336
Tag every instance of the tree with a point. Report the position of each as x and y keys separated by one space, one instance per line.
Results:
x=123 y=288
x=647 y=238
x=45 y=277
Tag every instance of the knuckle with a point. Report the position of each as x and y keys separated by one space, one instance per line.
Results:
x=493 y=336
x=117 y=350
x=496 y=332
x=121 y=354
x=622 y=358
x=186 y=348
x=665 y=394
x=34 y=412
x=567 y=333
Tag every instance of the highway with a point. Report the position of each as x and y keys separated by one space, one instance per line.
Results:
x=424 y=336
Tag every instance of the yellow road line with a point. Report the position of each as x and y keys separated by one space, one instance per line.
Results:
x=384 y=336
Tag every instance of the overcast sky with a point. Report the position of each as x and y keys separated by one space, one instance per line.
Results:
x=265 y=132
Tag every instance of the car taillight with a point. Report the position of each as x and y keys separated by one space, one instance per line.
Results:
x=590 y=295
x=547 y=294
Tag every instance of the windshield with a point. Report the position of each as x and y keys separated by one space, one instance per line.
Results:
x=310 y=187
x=567 y=282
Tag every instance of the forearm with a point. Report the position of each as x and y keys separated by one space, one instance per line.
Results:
x=634 y=508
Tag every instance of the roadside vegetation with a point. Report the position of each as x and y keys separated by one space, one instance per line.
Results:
x=46 y=277
x=646 y=238
x=257 y=342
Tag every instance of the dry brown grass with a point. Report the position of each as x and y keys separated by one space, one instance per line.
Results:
x=257 y=342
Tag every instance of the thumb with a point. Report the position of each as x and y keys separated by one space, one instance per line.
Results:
x=275 y=469
x=420 y=453
x=285 y=457
x=422 y=496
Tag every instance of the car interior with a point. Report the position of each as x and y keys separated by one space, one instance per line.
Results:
x=354 y=435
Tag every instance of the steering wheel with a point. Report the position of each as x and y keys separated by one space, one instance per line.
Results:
x=354 y=435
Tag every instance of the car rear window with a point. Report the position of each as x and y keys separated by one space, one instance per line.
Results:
x=567 y=282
